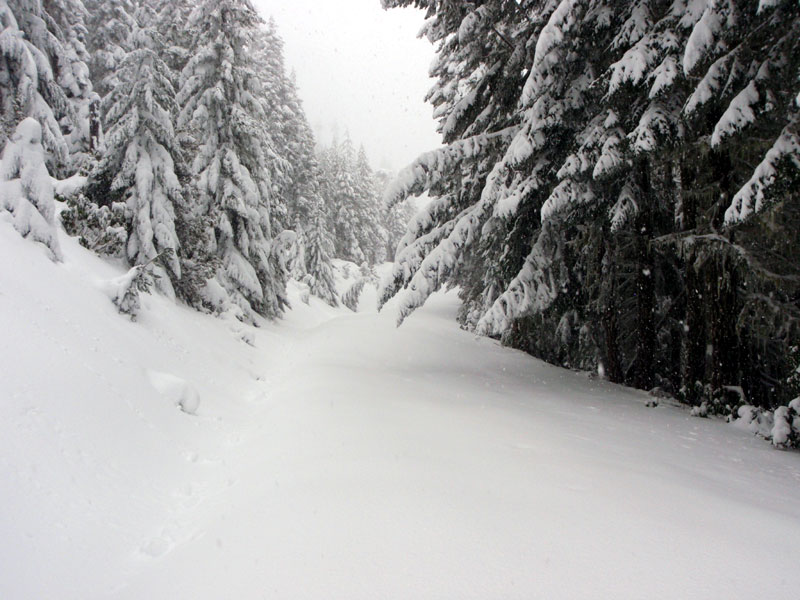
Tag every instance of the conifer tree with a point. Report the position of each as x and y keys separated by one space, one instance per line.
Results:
x=303 y=197
x=220 y=109
x=482 y=53
x=370 y=230
x=34 y=53
x=352 y=204
x=26 y=190
x=282 y=112
x=318 y=261
x=109 y=25
x=139 y=162
x=394 y=220
x=66 y=22
x=600 y=195
x=339 y=194
x=170 y=19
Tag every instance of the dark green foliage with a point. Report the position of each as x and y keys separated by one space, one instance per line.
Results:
x=629 y=203
x=102 y=229
x=139 y=279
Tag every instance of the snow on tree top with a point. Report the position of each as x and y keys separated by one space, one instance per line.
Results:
x=29 y=130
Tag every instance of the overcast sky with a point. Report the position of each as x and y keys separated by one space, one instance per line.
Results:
x=362 y=69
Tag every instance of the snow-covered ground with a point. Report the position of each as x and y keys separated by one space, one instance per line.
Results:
x=340 y=457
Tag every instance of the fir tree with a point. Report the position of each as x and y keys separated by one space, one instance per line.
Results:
x=32 y=53
x=109 y=25
x=394 y=220
x=66 y=20
x=318 y=261
x=138 y=165
x=352 y=204
x=283 y=113
x=339 y=194
x=170 y=19
x=220 y=109
x=602 y=207
x=370 y=230
x=26 y=188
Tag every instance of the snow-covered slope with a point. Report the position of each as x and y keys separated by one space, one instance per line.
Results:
x=340 y=457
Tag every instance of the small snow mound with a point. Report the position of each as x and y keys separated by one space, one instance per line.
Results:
x=700 y=411
x=189 y=401
x=215 y=295
x=179 y=391
x=782 y=427
x=156 y=547
x=66 y=188
x=754 y=420
x=116 y=287
x=29 y=130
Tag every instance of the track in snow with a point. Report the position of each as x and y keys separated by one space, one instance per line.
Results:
x=423 y=463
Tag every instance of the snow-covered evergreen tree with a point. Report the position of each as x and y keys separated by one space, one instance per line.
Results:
x=368 y=204
x=599 y=157
x=291 y=155
x=394 y=220
x=318 y=261
x=352 y=204
x=109 y=25
x=29 y=87
x=66 y=22
x=352 y=295
x=138 y=164
x=26 y=190
x=220 y=108
x=482 y=56
x=281 y=113
x=170 y=19
x=339 y=193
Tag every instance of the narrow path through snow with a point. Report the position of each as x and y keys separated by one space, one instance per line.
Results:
x=423 y=463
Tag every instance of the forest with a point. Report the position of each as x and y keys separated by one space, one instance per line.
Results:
x=189 y=150
x=616 y=193
x=556 y=356
x=618 y=190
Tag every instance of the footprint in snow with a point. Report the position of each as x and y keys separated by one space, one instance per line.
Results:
x=522 y=446
x=190 y=495
x=234 y=440
x=156 y=547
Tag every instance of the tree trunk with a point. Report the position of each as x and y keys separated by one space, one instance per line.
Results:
x=94 y=125
x=722 y=358
x=643 y=375
x=694 y=335
x=609 y=321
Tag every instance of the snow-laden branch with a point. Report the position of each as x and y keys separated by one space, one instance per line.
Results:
x=752 y=198
x=431 y=167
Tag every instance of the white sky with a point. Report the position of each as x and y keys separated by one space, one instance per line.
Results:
x=360 y=69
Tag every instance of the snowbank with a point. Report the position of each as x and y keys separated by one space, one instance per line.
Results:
x=332 y=455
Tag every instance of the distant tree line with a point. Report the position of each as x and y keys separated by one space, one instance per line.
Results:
x=195 y=146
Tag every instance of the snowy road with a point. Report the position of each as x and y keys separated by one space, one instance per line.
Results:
x=422 y=463
x=344 y=458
